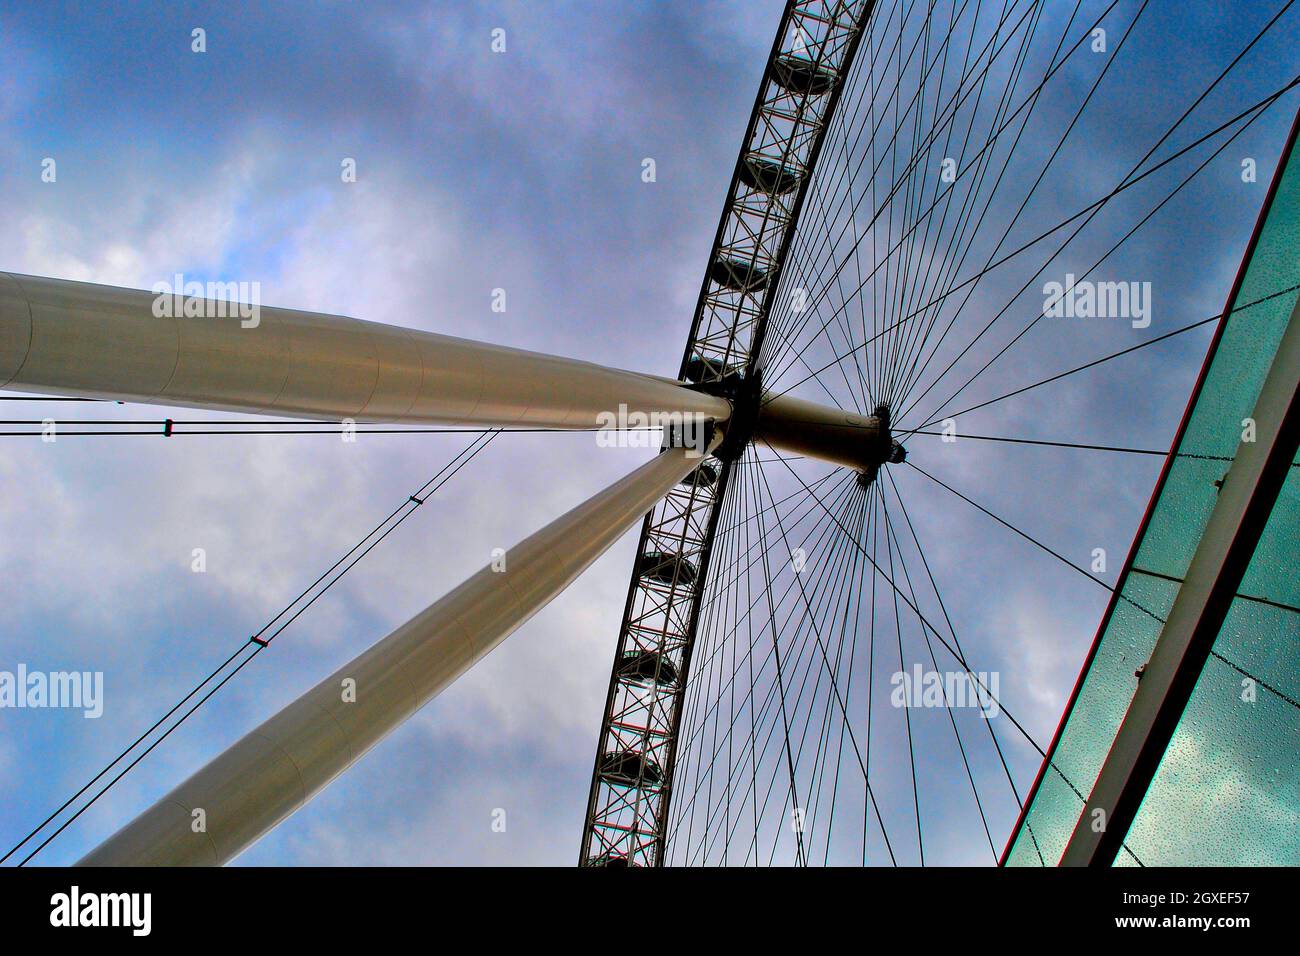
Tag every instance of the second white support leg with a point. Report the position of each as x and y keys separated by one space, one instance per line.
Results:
x=280 y=765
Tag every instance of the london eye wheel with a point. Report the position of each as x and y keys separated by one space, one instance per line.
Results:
x=888 y=246
x=914 y=423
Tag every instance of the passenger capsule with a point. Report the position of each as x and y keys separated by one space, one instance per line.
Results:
x=664 y=568
x=627 y=768
x=768 y=175
x=647 y=667
x=613 y=860
x=800 y=75
x=703 y=477
x=700 y=369
x=738 y=275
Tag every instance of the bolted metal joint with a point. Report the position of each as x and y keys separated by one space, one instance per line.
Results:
x=693 y=433
x=743 y=391
x=887 y=450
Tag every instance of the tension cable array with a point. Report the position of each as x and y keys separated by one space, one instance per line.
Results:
x=254 y=645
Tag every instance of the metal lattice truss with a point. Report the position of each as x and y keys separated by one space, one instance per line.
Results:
x=67 y=338
x=75 y=339
x=812 y=54
x=632 y=781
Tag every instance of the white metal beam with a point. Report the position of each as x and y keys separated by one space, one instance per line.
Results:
x=95 y=341
x=281 y=764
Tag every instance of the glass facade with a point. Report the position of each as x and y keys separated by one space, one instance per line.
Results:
x=1228 y=788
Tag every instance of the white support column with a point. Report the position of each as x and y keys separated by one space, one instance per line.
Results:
x=94 y=341
x=280 y=765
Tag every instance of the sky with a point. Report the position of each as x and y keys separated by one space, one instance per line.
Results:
x=478 y=171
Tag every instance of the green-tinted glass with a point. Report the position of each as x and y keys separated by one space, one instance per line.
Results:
x=1228 y=788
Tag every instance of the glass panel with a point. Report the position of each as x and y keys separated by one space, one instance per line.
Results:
x=1232 y=772
x=1228 y=788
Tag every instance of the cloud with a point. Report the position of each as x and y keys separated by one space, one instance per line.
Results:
x=478 y=172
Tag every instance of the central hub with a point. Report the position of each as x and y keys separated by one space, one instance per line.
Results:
x=744 y=392
x=746 y=397
x=857 y=441
x=887 y=450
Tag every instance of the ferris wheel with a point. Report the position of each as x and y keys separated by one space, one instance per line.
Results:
x=934 y=238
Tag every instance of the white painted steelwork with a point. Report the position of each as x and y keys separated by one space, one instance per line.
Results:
x=280 y=765
x=94 y=341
